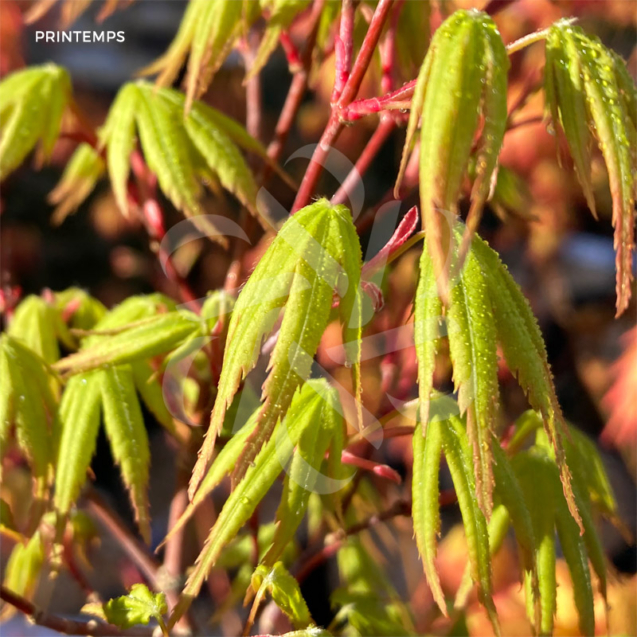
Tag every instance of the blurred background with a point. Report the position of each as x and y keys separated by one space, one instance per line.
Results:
x=539 y=222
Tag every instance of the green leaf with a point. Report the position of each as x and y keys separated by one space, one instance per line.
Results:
x=221 y=467
x=525 y=354
x=125 y=429
x=118 y=137
x=78 y=423
x=281 y=15
x=512 y=498
x=315 y=254
x=305 y=476
x=23 y=570
x=82 y=172
x=36 y=323
x=142 y=340
x=536 y=474
x=588 y=91
x=31 y=109
x=181 y=151
x=425 y=507
x=427 y=323
x=305 y=410
x=498 y=528
x=138 y=607
x=27 y=404
x=575 y=554
x=458 y=454
x=464 y=72
x=206 y=35
x=472 y=343
x=167 y=150
x=285 y=592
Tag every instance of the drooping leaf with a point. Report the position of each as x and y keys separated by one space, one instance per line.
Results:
x=32 y=102
x=82 y=172
x=27 y=404
x=458 y=454
x=181 y=150
x=498 y=528
x=472 y=337
x=23 y=571
x=206 y=35
x=425 y=507
x=37 y=324
x=590 y=93
x=536 y=475
x=575 y=554
x=78 y=423
x=284 y=590
x=525 y=353
x=124 y=425
x=281 y=15
x=464 y=72
x=305 y=410
x=138 y=607
x=315 y=254
x=427 y=332
x=305 y=476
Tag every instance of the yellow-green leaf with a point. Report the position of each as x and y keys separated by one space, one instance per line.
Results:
x=304 y=411
x=81 y=174
x=463 y=76
x=138 y=607
x=304 y=475
x=31 y=108
x=78 y=423
x=315 y=254
x=124 y=425
x=589 y=92
x=285 y=592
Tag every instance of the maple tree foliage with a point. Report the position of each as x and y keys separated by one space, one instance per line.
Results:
x=71 y=366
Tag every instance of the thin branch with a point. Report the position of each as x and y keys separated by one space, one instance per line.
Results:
x=375 y=143
x=68 y=626
x=344 y=48
x=134 y=549
x=350 y=90
x=296 y=91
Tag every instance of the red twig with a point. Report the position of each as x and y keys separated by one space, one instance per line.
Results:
x=344 y=48
x=153 y=217
x=68 y=626
x=296 y=91
x=375 y=143
x=395 y=100
x=335 y=125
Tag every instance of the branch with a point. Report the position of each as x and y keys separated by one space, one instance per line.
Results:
x=68 y=626
x=335 y=123
x=296 y=91
x=375 y=143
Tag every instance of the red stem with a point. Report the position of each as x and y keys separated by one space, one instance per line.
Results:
x=344 y=48
x=375 y=143
x=295 y=92
x=335 y=125
x=397 y=99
